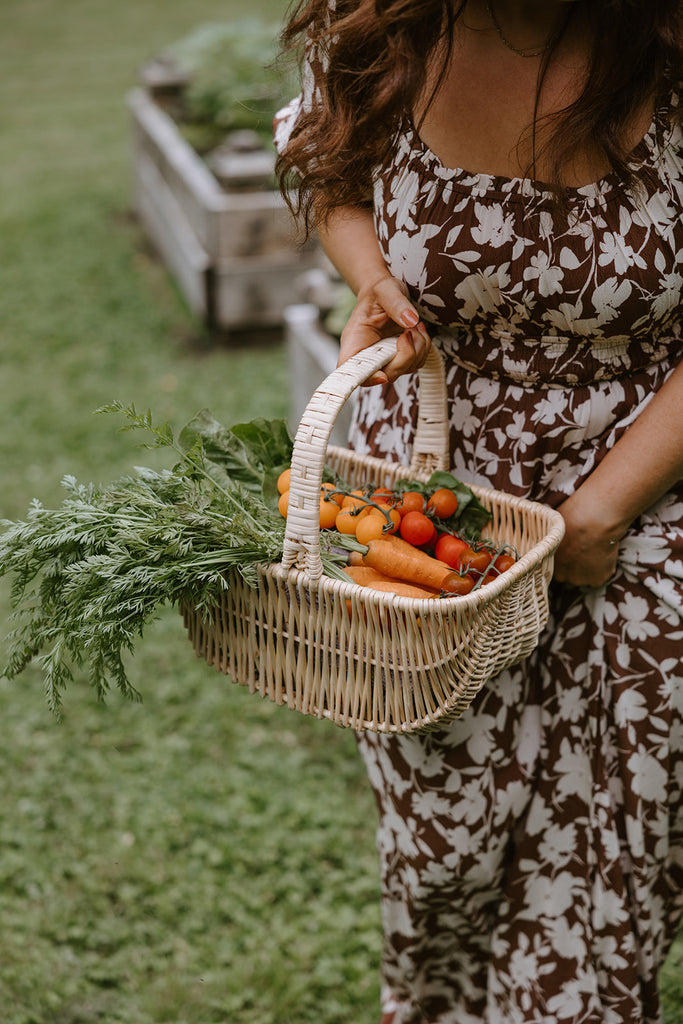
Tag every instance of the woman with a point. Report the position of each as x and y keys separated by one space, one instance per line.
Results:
x=503 y=179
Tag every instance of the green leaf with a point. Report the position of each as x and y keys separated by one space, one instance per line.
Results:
x=246 y=452
x=270 y=493
x=269 y=441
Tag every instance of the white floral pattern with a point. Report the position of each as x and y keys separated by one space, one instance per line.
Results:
x=532 y=852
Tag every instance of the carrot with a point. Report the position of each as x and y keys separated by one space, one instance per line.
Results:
x=370 y=579
x=365 y=575
x=401 y=589
x=394 y=557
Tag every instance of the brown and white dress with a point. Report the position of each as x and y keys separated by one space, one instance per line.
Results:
x=532 y=852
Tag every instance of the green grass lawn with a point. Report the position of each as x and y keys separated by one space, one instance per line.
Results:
x=205 y=856
x=202 y=857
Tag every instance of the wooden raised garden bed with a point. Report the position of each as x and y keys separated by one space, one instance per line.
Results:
x=234 y=254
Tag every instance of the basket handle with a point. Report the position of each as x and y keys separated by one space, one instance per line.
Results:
x=430 y=445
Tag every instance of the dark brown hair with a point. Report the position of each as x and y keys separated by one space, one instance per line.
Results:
x=376 y=54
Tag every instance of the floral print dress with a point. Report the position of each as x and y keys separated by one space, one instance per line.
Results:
x=532 y=851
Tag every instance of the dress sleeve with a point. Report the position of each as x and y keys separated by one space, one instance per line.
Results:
x=314 y=67
x=284 y=121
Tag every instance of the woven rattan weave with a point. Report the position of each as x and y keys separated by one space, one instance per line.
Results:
x=372 y=660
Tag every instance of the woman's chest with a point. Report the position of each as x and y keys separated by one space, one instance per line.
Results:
x=484 y=252
x=493 y=114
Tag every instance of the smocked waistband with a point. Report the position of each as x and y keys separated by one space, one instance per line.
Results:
x=554 y=361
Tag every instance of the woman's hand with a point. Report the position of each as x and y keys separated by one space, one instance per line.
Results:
x=587 y=556
x=382 y=310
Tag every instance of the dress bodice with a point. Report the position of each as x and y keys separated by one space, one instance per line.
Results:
x=509 y=291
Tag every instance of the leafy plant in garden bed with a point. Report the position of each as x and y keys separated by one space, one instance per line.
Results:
x=233 y=81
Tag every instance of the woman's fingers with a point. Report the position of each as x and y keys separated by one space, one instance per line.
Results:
x=384 y=311
x=411 y=351
x=392 y=296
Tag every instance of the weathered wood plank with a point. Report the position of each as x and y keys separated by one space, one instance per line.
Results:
x=171 y=234
x=235 y=255
x=156 y=136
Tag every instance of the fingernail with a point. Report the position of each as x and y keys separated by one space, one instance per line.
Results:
x=410 y=318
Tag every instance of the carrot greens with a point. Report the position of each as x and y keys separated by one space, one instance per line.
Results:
x=88 y=576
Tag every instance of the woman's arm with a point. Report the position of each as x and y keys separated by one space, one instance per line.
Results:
x=643 y=465
x=382 y=308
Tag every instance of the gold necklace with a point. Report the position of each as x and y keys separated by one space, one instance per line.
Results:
x=531 y=51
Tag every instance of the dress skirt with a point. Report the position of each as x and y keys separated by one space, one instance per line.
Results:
x=532 y=851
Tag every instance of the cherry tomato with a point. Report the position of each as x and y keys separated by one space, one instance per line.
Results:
x=330 y=493
x=443 y=503
x=356 y=499
x=429 y=544
x=476 y=561
x=370 y=528
x=411 y=501
x=502 y=563
x=390 y=524
x=283 y=481
x=346 y=521
x=416 y=528
x=384 y=494
x=449 y=549
x=329 y=510
x=457 y=584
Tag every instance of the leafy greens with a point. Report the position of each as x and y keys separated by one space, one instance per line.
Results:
x=91 y=574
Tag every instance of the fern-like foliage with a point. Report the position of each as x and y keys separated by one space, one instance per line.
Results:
x=88 y=576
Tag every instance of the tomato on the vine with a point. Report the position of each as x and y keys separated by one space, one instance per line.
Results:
x=443 y=503
x=329 y=510
x=476 y=561
x=457 y=584
x=354 y=500
x=346 y=521
x=416 y=528
x=370 y=528
x=391 y=519
x=449 y=549
x=429 y=544
x=330 y=493
x=501 y=563
x=411 y=501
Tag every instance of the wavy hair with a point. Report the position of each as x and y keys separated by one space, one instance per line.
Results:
x=375 y=54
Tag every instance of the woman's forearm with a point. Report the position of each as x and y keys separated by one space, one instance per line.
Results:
x=642 y=466
x=646 y=461
x=349 y=239
x=383 y=308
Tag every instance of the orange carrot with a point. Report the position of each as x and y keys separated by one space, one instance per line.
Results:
x=401 y=589
x=365 y=575
x=394 y=557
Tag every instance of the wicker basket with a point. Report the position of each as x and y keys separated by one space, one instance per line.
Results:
x=372 y=660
